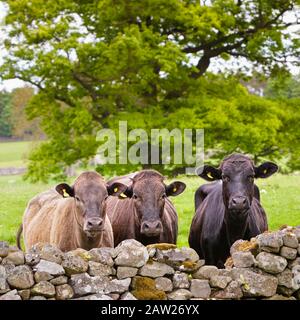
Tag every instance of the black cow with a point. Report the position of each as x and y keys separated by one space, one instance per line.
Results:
x=228 y=209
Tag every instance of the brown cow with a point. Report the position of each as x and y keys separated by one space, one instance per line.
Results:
x=146 y=214
x=72 y=217
x=229 y=209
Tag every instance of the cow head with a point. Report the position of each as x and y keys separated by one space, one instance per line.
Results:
x=149 y=193
x=237 y=173
x=90 y=193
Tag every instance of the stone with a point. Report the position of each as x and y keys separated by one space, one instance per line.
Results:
x=43 y=288
x=243 y=259
x=270 y=262
x=83 y=254
x=290 y=240
x=64 y=292
x=180 y=294
x=288 y=253
x=11 y=295
x=21 y=277
x=285 y=291
x=182 y=259
x=279 y=297
x=219 y=281
x=200 y=288
x=245 y=246
x=127 y=296
x=114 y=296
x=117 y=286
x=286 y=279
x=4 y=249
x=74 y=264
x=59 y=280
x=164 y=284
x=270 y=242
x=206 y=272
x=254 y=284
x=32 y=258
x=293 y=263
x=24 y=294
x=99 y=269
x=51 y=253
x=126 y=272
x=17 y=258
x=131 y=253
x=144 y=288
x=98 y=296
x=102 y=255
x=181 y=281
x=155 y=270
x=38 y=298
x=82 y=284
x=232 y=291
x=42 y=276
x=296 y=232
x=51 y=267
x=3 y=284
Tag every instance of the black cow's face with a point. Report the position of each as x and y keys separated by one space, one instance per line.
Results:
x=149 y=196
x=238 y=186
x=90 y=199
x=237 y=174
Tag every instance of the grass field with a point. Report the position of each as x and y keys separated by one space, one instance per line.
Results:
x=280 y=196
x=13 y=154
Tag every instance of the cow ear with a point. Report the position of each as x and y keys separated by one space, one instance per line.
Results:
x=265 y=170
x=65 y=190
x=175 y=188
x=116 y=189
x=209 y=173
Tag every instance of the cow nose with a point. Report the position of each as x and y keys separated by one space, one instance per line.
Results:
x=94 y=224
x=151 y=228
x=238 y=203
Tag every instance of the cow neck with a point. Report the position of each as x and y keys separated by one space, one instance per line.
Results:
x=82 y=240
x=235 y=229
x=137 y=233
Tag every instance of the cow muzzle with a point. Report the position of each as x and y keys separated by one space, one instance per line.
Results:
x=151 y=228
x=239 y=203
x=93 y=226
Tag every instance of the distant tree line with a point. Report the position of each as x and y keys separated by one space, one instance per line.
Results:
x=14 y=122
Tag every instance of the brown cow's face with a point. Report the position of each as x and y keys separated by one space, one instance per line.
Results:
x=90 y=199
x=149 y=196
x=237 y=173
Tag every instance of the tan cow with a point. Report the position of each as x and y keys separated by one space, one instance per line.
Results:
x=71 y=217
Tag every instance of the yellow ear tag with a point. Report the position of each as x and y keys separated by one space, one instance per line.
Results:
x=65 y=194
x=209 y=175
x=174 y=189
x=115 y=189
x=122 y=195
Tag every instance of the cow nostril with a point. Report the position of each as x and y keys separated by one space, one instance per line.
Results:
x=157 y=225
x=146 y=226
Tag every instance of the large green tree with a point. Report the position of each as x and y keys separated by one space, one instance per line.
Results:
x=5 y=114
x=94 y=61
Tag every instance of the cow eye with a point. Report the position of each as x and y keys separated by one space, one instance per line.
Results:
x=226 y=178
x=134 y=196
x=77 y=198
x=164 y=196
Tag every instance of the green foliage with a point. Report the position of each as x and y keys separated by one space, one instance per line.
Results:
x=95 y=62
x=5 y=111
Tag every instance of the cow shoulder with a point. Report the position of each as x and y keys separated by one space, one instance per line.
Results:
x=202 y=192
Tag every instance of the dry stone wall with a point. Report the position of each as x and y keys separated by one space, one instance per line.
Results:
x=267 y=267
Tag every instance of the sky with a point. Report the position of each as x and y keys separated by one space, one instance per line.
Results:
x=9 y=85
